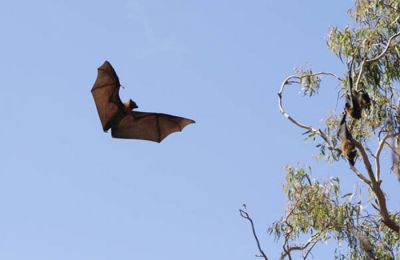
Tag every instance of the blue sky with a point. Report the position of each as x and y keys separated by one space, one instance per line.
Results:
x=70 y=191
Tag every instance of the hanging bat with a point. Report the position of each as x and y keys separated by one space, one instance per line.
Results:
x=347 y=142
x=120 y=117
x=352 y=106
x=356 y=101
x=364 y=100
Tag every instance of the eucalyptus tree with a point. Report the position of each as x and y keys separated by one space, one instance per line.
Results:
x=317 y=210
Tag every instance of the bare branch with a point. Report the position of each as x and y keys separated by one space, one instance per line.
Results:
x=246 y=215
x=311 y=241
x=376 y=188
x=365 y=61
x=386 y=48
x=311 y=248
x=294 y=121
x=360 y=175
x=374 y=181
x=360 y=72
x=378 y=154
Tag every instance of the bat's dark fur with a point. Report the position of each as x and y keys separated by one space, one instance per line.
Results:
x=356 y=101
x=120 y=117
x=365 y=100
x=347 y=142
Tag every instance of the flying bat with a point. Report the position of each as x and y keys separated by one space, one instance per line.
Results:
x=120 y=117
x=347 y=142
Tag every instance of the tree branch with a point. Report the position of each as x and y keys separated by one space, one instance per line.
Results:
x=311 y=241
x=376 y=188
x=360 y=175
x=365 y=61
x=246 y=215
x=374 y=181
x=294 y=121
x=385 y=50
x=378 y=154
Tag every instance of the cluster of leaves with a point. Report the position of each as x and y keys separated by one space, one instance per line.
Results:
x=377 y=22
x=308 y=81
x=318 y=210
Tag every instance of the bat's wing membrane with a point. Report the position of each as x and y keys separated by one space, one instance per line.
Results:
x=149 y=126
x=106 y=94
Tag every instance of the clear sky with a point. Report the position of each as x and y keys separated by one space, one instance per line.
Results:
x=70 y=191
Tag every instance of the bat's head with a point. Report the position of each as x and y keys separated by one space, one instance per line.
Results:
x=348 y=108
x=131 y=104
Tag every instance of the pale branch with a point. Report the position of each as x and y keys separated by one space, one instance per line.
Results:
x=309 y=249
x=360 y=175
x=365 y=61
x=312 y=129
x=360 y=72
x=392 y=148
x=311 y=241
x=376 y=188
x=246 y=215
x=378 y=154
x=386 y=48
x=395 y=20
x=322 y=134
x=373 y=181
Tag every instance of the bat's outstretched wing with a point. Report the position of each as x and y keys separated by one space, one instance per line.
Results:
x=106 y=94
x=148 y=126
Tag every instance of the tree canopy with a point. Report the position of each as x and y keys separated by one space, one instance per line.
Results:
x=318 y=210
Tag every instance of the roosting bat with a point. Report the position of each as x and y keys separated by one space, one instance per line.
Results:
x=120 y=117
x=356 y=101
x=352 y=106
x=364 y=100
x=347 y=146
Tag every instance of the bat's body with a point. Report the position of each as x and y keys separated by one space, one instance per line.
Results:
x=364 y=100
x=349 y=151
x=353 y=107
x=120 y=117
x=356 y=101
x=347 y=146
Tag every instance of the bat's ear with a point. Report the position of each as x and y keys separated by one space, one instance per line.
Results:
x=132 y=104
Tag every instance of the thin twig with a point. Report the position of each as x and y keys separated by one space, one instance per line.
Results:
x=365 y=61
x=309 y=250
x=360 y=72
x=386 y=48
x=378 y=153
x=246 y=215
x=312 y=129
x=312 y=240
x=360 y=175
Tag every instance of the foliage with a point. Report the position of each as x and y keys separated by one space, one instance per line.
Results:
x=317 y=211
